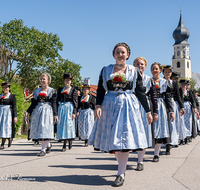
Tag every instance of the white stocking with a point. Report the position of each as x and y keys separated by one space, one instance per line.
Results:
x=141 y=155
x=44 y=145
x=122 y=159
x=157 y=149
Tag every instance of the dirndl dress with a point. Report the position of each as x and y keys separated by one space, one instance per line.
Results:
x=5 y=119
x=147 y=127
x=66 y=125
x=161 y=127
x=42 y=117
x=175 y=125
x=85 y=123
x=120 y=127
x=188 y=118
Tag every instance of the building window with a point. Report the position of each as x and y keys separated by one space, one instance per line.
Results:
x=178 y=64
x=178 y=53
x=188 y=64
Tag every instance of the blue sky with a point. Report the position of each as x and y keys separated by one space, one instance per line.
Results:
x=89 y=29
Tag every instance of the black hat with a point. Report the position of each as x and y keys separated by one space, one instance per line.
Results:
x=5 y=84
x=85 y=86
x=67 y=76
x=183 y=81
x=175 y=74
x=166 y=67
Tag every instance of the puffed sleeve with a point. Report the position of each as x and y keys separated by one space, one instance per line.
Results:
x=140 y=92
x=33 y=105
x=154 y=100
x=168 y=100
x=14 y=107
x=177 y=92
x=54 y=103
x=75 y=100
x=92 y=103
x=192 y=99
x=100 y=91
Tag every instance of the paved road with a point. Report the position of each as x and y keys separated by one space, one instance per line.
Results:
x=83 y=168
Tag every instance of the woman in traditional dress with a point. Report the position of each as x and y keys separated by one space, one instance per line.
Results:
x=43 y=111
x=177 y=104
x=141 y=63
x=119 y=128
x=8 y=115
x=86 y=106
x=67 y=100
x=189 y=105
x=161 y=127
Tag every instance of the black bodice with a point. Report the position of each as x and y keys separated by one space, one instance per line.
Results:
x=110 y=86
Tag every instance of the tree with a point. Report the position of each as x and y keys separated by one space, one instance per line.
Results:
x=56 y=68
x=30 y=48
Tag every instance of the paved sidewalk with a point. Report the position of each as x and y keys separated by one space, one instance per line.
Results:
x=83 y=168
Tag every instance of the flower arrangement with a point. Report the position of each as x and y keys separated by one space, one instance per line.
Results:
x=64 y=92
x=2 y=97
x=157 y=86
x=83 y=101
x=118 y=77
x=42 y=94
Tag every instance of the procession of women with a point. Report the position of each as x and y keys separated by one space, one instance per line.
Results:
x=130 y=113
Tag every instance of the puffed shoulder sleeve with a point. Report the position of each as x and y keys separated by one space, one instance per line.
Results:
x=140 y=92
x=33 y=105
x=168 y=100
x=14 y=106
x=54 y=103
x=93 y=102
x=100 y=91
x=75 y=100
x=154 y=100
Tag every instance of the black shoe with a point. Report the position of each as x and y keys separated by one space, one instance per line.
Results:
x=190 y=140
x=186 y=141
x=140 y=167
x=42 y=153
x=48 y=149
x=63 y=150
x=118 y=181
x=167 y=152
x=156 y=159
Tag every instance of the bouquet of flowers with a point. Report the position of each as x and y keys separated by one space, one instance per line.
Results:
x=2 y=97
x=64 y=92
x=118 y=77
x=157 y=86
x=42 y=94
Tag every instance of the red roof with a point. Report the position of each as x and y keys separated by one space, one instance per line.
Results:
x=93 y=90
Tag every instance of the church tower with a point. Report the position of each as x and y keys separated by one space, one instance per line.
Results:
x=181 y=61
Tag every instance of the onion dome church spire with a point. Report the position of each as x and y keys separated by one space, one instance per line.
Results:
x=181 y=33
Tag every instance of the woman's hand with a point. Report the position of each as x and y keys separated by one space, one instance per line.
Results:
x=172 y=117
x=77 y=114
x=149 y=118
x=73 y=116
x=56 y=119
x=97 y=112
x=155 y=117
x=15 y=119
x=25 y=114
x=182 y=112
x=196 y=112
